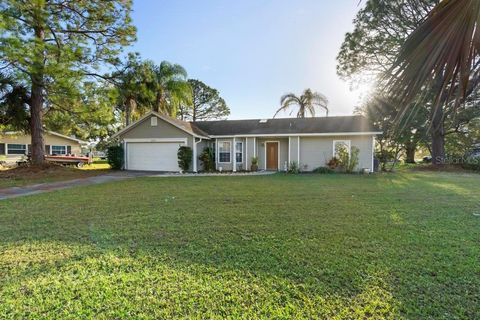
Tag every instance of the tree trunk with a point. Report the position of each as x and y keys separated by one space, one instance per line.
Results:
x=194 y=113
x=438 y=137
x=130 y=106
x=36 y=106
x=36 y=123
x=410 y=149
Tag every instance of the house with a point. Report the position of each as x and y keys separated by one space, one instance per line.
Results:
x=14 y=145
x=152 y=142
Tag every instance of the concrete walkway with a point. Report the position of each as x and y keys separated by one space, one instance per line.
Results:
x=15 y=192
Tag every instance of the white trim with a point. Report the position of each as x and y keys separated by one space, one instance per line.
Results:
x=242 y=152
x=298 y=150
x=230 y=142
x=254 y=146
x=195 y=153
x=153 y=140
x=289 y=147
x=246 y=154
x=347 y=142
x=125 y=164
x=162 y=117
x=216 y=154
x=57 y=145
x=330 y=134
x=18 y=154
x=278 y=153
x=234 y=169
x=373 y=154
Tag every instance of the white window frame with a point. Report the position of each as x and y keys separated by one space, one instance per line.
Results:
x=229 y=151
x=20 y=144
x=62 y=154
x=347 y=142
x=241 y=151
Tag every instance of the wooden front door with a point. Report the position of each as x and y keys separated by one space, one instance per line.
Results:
x=272 y=155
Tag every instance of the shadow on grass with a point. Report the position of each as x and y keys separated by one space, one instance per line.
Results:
x=273 y=246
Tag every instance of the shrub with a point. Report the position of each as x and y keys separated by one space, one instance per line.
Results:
x=323 y=170
x=293 y=167
x=333 y=163
x=348 y=161
x=207 y=159
x=471 y=164
x=115 y=156
x=185 y=155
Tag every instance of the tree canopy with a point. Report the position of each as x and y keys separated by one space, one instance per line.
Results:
x=206 y=104
x=52 y=46
x=307 y=103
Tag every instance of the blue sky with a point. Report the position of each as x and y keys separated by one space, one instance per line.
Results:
x=252 y=51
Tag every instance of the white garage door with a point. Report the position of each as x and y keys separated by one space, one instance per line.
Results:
x=155 y=156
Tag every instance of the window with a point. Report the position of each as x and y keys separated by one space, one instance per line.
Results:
x=339 y=146
x=224 y=150
x=17 y=149
x=59 y=149
x=239 y=152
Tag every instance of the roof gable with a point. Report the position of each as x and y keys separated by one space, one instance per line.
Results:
x=182 y=125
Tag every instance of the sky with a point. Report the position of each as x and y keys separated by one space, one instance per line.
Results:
x=252 y=51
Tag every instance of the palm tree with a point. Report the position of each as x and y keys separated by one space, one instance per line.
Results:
x=440 y=57
x=172 y=88
x=307 y=103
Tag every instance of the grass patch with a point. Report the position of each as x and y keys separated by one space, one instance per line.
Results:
x=310 y=246
x=22 y=176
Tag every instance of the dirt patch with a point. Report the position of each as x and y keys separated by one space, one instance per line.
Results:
x=45 y=173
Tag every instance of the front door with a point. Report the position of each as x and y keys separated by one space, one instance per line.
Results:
x=272 y=155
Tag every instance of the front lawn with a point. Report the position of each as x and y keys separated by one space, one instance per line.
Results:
x=400 y=245
x=23 y=176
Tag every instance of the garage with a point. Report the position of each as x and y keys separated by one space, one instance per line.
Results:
x=152 y=156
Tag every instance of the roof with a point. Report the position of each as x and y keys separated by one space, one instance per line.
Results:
x=188 y=127
x=53 y=133
x=320 y=125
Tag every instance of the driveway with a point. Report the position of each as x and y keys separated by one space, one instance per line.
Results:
x=14 y=192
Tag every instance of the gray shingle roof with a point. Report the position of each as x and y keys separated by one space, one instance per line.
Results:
x=321 y=125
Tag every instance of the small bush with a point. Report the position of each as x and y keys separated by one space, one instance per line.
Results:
x=185 y=155
x=115 y=156
x=473 y=165
x=333 y=163
x=207 y=159
x=349 y=161
x=323 y=170
x=293 y=167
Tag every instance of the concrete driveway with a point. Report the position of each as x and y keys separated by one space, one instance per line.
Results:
x=14 y=192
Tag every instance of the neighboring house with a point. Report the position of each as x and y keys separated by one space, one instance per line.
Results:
x=15 y=145
x=152 y=142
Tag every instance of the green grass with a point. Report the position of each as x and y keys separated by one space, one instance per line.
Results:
x=400 y=245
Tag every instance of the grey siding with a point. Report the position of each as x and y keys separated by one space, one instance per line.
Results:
x=144 y=130
x=294 y=152
x=317 y=151
x=250 y=147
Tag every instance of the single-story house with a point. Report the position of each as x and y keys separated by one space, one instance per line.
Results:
x=14 y=145
x=152 y=142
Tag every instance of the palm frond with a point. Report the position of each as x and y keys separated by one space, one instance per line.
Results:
x=441 y=55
